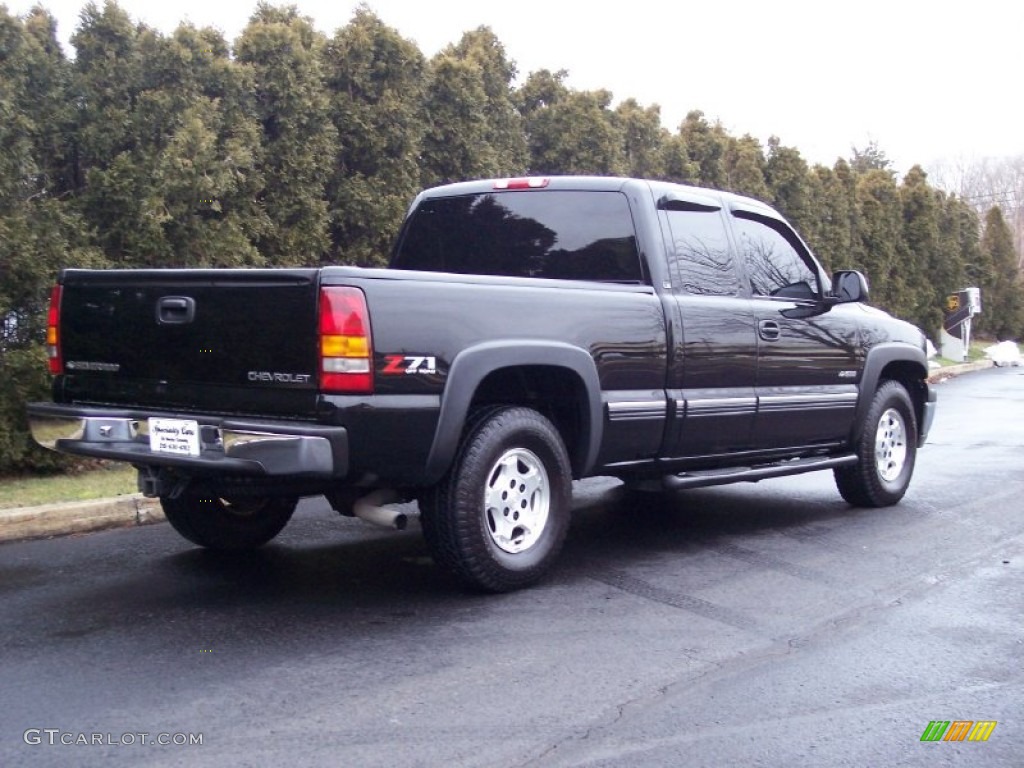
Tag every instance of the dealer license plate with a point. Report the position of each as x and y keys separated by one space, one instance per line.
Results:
x=177 y=436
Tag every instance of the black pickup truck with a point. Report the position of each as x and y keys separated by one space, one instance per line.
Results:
x=528 y=332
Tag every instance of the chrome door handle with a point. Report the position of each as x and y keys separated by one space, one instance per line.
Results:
x=769 y=330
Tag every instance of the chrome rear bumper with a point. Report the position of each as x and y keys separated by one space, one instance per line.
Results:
x=225 y=445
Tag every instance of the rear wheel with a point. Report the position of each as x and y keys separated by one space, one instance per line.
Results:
x=886 y=451
x=227 y=524
x=499 y=517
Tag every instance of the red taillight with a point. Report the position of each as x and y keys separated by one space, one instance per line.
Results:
x=56 y=362
x=346 y=349
x=532 y=182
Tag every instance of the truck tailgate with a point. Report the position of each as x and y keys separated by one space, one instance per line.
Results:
x=226 y=341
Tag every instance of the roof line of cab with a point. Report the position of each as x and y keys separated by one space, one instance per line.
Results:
x=725 y=199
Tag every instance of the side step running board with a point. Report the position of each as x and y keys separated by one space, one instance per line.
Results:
x=704 y=478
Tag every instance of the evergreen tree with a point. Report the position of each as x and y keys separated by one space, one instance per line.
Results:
x=975 y=264
x=1003 y=297
x=107 y=85
x=881 y=246
x=204 y=151
x=569 y=131
x=376 y=80
x=846 y=179
x=117 y=137
x=788 y=179
x=283 y=55
x=209 y=182
x=541 y=89
x=645 y=139
x=927 y=273
x=678 y=166
x=831 y=237
x=504 y=134
x=455 y=146
x=39 y=234
x=474 y=128
x=871 y=158
x=180 y=185
x=48 y=102
x=705 y=144
x=743 y=166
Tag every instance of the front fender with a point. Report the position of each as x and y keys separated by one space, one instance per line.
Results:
x=902 y=362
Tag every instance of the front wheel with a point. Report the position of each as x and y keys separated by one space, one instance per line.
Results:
x=227 y=524
x=499 y=517
x=886 y=451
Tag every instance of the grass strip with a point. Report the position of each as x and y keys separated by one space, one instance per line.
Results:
x=114 y=480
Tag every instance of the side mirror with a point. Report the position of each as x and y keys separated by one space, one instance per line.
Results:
x=848 y=286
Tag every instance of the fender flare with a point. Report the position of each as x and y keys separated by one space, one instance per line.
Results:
x=471 y=366
x=878 y=357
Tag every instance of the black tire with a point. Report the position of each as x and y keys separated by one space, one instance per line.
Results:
x=512 y=541
x=886 y=451
x=227 y=524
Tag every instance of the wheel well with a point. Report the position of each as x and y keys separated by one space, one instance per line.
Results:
x=912 y=378
x=557 y=393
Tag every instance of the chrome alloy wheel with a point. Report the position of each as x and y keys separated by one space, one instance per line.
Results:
x=890 y=445
x=517 y=500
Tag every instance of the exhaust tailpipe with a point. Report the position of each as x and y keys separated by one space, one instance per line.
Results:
x=375 y=508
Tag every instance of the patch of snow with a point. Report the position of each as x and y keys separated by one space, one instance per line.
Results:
x=1004 y=353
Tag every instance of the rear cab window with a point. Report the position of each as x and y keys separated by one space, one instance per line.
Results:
x=558 y=234
x=700 y=255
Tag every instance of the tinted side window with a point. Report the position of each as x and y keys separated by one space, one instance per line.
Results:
x=553 y=234
x=775 y=262
x=701 y=258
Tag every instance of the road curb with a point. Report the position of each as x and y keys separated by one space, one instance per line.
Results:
x=950 y=371
x=78 y=517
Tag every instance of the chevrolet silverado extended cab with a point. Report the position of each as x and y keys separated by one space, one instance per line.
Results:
x=528 y=332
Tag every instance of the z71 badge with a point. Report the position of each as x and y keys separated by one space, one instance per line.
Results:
x=397 y=365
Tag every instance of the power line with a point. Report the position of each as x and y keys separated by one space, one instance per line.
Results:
x=1005 y=195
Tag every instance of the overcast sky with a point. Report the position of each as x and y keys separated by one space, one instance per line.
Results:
x=928 y=81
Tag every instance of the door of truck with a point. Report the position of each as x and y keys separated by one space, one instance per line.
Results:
x=809 y=360
x=712 y=375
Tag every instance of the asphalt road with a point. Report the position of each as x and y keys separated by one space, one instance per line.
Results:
x=756 y=625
